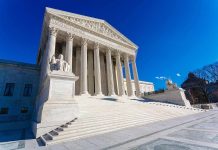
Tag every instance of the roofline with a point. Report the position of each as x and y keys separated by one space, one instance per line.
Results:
x=52 y=10
x=21 y=64
x=48 y=9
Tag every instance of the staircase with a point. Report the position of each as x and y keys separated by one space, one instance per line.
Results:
x=99 y=116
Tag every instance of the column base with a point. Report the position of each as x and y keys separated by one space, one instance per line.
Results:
x=99 y=95
x=112 y=95
x=85 y=94
x=123 y=96
x=133 y=97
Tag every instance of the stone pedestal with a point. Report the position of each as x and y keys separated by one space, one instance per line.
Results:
x=55 y=103
x=174 y=96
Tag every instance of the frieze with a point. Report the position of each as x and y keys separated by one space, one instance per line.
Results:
x=55 y=22
x=93 y=27
x=65 y=26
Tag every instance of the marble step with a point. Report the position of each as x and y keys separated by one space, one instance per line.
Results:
x=98 y=117
x=89 y=121
x=75 y=128
x=176 y=106
x=103 y=125
x=106 y=123
x=147 y=111
x=69 y=136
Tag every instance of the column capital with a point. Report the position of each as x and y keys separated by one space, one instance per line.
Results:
x=132 y=58
x=118 y=52
x=84 y=41
x=53 y=31
x=126 y=55
x=96 y=45
x=108 y=50
x=70 y=36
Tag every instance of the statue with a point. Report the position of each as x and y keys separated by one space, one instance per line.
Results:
x=53 y=63
x=170 y=85
x=59 y=64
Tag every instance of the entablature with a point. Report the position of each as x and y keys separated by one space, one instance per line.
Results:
x=84 y=33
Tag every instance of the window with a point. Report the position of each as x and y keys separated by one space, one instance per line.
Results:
x=3 y=110
x=27 y=90
x=24 y=110
x=9 y=89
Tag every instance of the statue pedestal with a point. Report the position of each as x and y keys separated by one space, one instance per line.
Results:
x=55 y=103
x=174 y=96
x=183 y=97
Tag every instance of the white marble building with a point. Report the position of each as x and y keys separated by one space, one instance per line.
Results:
x=90 y=55
x=94 y=50
x=144 y=87
x=78 y=55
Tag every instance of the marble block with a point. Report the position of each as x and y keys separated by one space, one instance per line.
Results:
x=56 y=106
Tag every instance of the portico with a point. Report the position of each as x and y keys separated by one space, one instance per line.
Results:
x=94 y=50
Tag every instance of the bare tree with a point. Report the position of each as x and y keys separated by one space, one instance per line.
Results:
x=209 y=73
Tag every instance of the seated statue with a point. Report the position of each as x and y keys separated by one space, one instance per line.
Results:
x=170 y=84
x=59 y=64
x=53 y=63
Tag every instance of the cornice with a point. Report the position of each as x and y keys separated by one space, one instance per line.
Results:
x=92 y=25
x=82 y=33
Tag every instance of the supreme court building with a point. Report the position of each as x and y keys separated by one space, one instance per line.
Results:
x=78 y=55
x=95 y=51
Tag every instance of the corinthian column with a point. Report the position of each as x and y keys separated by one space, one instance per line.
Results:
x=69 y=49
x=128 y=77
x=120 y=75
x=50 y=48
x=110 y=73
x=83 y=76
x=97 y=70
x=136 y=79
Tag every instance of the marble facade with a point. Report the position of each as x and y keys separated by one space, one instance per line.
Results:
x=77 y=55
x=95 y=51
x=82 y=56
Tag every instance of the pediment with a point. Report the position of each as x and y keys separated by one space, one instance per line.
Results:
x=93 y=24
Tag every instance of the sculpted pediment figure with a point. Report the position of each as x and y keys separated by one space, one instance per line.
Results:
x=97 y=25
x=170 y=85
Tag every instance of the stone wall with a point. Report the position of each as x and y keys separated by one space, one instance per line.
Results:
x=19 y=105
x=174 y=96
x=206 y=106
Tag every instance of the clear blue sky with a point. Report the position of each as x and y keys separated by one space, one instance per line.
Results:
x=174 y=36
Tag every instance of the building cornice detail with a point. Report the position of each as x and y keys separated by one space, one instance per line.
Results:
x=80 y=32
x=99 y=28
x=53 y=31
x=70 y=36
